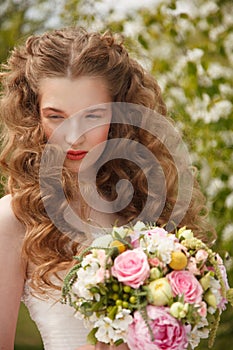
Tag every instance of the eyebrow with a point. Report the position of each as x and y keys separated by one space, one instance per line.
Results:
x=90 y=109
x=52 y=109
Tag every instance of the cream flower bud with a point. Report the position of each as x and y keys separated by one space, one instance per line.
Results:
x=183 y=232
x=205 y=281
x=120 y=231
x=159 y=292
x=179 y=310
x=139 y=226
x=210 y=298
x=155 y=273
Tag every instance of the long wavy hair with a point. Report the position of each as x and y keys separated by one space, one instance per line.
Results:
x=73 y=52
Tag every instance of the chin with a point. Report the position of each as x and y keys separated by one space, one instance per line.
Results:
x=77 y=167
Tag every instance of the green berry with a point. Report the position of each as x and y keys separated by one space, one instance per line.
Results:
x=119 y=302
x=115 y=287
x=125 y=304
x=132 y=299
x=127 y=289
x=115 y=296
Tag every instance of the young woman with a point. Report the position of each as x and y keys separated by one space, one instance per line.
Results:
x=65 y=99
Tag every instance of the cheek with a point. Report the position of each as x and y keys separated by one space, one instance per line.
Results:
x=98 y=135
x=47 y=129
x=52 y=137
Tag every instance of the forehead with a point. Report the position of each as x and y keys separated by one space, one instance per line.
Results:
x=72 y=95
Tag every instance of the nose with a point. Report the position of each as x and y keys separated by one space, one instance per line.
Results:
x=72 y=139
x=73 y=133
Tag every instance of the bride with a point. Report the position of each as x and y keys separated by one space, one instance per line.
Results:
x=64 y=101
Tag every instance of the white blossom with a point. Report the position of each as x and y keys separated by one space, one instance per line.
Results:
x=109 y=330
x=225 y=89
x=215 y=32
x=220 y=109
x=182 y=7
x=200 y=331
x=194 y=55
x=214 y=187
x=203 y=78
x=105 y=332
x=207 y=111
x=216 y=70
x=178 y=94
x=185 y=27
x=198 y=108
x=202 y=24
x=227 y=234
x=162 y=246
x=230 y=181
x=229 y=201
x=227 y=137
x=228 y=46
x=162 y=50
x=227 y=12
x=123 y=319
x=88 y=274
x=215 y=289
x=208 y=8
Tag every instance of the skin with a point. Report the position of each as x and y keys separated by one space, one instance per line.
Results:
x=12 y=275
x=60 y=99
x=80 y=112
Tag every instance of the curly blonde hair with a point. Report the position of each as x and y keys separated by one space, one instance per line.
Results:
x=73 y=52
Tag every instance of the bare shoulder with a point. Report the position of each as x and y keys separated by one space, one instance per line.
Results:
x=12 y=273
x=9 y=224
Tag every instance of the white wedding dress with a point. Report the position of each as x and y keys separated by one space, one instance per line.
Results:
x=59 y=328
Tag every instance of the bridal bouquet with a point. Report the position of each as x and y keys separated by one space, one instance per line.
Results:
x=149 y=288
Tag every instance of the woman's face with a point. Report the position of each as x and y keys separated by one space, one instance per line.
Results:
x=76 y=115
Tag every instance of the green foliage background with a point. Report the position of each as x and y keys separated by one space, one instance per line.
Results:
x=188 y=46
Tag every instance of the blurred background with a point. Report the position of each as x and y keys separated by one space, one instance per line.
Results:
x=188 y=47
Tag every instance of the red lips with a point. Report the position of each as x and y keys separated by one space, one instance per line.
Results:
x=76 y=155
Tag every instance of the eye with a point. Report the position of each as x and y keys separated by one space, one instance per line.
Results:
x=55 y=116
x=93 y=116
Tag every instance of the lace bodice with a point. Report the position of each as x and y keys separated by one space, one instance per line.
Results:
x=59 y=328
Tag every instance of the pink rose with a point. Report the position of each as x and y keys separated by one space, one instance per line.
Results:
x=169 y=333
x=184 y=282
x=131 y=268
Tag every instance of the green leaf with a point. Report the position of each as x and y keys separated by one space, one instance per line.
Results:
x=91 y=336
